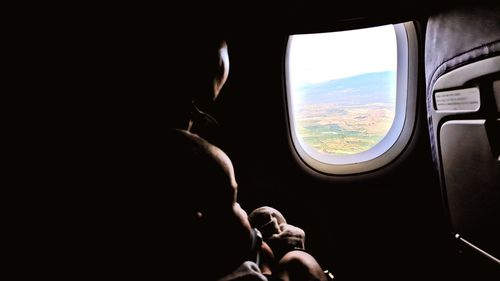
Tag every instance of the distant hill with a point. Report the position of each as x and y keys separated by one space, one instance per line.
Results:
x=375 y=87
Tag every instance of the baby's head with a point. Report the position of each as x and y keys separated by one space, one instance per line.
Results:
x=276 y=232
x=267 y=220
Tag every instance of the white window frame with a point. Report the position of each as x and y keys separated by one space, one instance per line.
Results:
x=398 y=135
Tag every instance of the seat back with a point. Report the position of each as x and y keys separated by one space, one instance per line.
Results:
x=463 y=103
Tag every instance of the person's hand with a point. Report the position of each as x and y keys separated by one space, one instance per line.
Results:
x=289 y=238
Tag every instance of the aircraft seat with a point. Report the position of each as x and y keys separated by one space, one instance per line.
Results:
x=462 y=64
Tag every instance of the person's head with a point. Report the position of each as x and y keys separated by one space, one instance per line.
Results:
x=212 y=62
x=267 y=220
x=201 y=68
x=216 y=232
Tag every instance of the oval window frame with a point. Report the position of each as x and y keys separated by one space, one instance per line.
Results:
x=398 y=136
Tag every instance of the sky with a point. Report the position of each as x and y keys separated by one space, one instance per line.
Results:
x=321 y=57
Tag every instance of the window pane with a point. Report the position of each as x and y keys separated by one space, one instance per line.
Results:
x=343 y=88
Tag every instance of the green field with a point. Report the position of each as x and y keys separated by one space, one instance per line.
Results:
x=345 y=130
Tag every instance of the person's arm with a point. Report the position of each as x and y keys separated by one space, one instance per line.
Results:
x=247 y=271
x=267 y=262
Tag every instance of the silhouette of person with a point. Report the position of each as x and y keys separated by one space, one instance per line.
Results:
x=218 y=240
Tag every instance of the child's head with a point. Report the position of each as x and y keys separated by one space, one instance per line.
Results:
x=267 y=220
x=276 y=232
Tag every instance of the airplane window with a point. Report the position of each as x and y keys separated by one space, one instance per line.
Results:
x=347 y=95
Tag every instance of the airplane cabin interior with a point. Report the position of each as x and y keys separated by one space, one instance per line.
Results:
x=373 y=126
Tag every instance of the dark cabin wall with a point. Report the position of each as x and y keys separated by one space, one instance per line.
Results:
x=386 y=227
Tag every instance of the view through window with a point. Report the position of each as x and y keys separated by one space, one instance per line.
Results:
x=343 y=88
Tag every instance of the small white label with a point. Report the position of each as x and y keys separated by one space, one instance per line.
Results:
x=458 y=100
